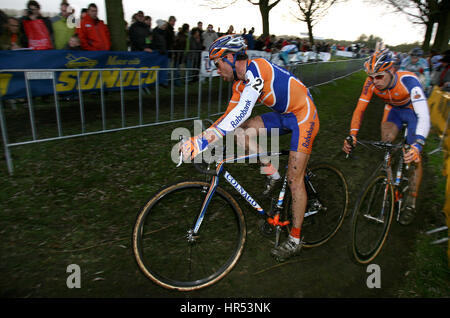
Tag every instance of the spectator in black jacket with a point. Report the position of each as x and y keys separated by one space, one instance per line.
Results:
x=195 y=48
x=200 y=29
x=159 y=37
x=260 y=43
x=148 y=22
x=3 y=21
x=139 y=33
x=181 y=45
x=170 y=33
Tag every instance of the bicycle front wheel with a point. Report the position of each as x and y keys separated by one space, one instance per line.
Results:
x=372 y=219
x=168 y=251
x=327 y=194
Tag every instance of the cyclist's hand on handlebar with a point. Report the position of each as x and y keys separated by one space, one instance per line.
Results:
x=187 y=149
x=412 y=155
x=192 y=147
x=349 y=145
x=195 y=145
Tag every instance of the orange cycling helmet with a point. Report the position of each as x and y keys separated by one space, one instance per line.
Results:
x=234 y=43
x=379 y=61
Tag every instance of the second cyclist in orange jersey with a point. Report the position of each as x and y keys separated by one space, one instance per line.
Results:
x=402 y=93
x=405 y=103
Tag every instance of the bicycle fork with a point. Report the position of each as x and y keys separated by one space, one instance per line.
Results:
x=387 y=181
x=378 y=219
x=192 y=234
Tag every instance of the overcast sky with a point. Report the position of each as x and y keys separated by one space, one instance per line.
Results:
x=344 y=21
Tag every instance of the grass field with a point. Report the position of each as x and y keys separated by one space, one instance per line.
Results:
x=75 y=202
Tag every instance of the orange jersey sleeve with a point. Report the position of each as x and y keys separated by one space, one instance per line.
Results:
x=363 y=101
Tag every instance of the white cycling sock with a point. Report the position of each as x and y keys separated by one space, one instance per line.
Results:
x=294 y=239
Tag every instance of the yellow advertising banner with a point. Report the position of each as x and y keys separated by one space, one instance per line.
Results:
x=447 y=141
x=447 y=205
x=439 y=104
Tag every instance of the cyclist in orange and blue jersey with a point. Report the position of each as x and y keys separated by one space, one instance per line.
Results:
x=294 y=112
x=405 y=103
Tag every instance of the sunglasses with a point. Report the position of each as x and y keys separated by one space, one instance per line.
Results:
x=377 y=77
x=216 y=62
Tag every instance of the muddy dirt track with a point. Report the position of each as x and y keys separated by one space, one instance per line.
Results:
x=38 y=245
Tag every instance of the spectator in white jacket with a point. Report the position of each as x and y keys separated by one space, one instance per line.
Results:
x=209 y=37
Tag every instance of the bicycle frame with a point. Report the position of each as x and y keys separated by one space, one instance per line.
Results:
x=240 y=189
x=203 y=216
x=231 y=180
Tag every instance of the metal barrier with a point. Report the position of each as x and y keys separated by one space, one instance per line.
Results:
x=320 y=73
x=146 y=105
x=75 y=115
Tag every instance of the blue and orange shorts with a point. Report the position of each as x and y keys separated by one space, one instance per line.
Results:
x=398 y=116
x=304 y=126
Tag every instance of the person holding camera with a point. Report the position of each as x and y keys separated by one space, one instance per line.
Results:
x=38 y=29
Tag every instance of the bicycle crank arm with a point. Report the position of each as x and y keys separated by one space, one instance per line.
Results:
x=399 y=209
x=277 y=235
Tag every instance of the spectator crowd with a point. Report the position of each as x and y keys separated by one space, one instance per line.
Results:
x=33 y=31
x=182 y=44
x=36 y=32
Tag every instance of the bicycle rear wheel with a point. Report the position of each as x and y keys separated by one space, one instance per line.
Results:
x=167 y=251
x=371 y=220
x=327 y=204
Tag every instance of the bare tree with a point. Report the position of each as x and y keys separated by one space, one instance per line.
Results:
x=264 y=8
x=116 y=25
x=311 y=11
x=427 y=13
x=443 y=31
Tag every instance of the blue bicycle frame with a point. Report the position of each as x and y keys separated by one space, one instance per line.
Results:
x=237 y=186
